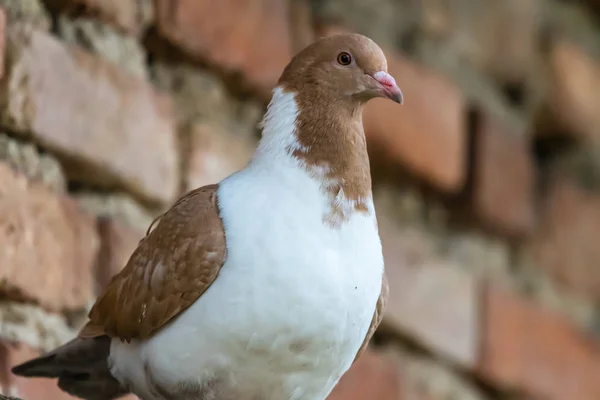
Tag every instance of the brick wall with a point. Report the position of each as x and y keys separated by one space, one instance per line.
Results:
x=487 y=180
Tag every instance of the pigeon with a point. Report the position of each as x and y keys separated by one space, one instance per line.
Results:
x=267 y=285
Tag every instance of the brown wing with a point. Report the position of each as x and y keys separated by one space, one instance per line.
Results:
x=170 y=269
x=377 y=316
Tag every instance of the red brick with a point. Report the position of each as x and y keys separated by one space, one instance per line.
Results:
x=503 y=186
x=117 y=243
x=131 y=16
x=427 y=134
x=432 y=301
x=250 y=38
x=111 y=128
x=371 y=377
x=574 y=92
x=526 y=347
x=436 y=304
x=565 y=242
x=25 y=388
x=48 y=244
x=214 y=154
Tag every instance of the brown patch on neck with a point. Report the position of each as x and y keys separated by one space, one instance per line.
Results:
x=333 y=146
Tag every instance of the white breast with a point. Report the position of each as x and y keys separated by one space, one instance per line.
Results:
x=293 y=301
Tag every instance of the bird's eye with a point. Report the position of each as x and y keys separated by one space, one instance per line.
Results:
x=344 y=58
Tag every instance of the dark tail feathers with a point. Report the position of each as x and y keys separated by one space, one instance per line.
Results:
x=81 y=367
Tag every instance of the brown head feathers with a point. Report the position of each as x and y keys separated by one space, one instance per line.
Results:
x=346 y=68
x=331 y=80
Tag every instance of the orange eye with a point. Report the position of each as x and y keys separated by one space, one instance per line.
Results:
x=344 y=58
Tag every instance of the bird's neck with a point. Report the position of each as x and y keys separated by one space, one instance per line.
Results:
x=328 y=142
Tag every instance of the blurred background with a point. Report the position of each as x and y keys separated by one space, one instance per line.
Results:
x=486 y=182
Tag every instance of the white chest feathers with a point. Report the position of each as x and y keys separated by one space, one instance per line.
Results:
x=294 y=299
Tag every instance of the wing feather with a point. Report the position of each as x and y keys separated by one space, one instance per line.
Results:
x=169 y=270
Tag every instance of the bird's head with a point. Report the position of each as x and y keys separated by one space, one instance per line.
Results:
x=344 y=67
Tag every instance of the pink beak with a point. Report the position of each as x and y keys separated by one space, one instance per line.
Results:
x=388 y=86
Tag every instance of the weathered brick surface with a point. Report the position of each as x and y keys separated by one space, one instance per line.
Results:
x=197 y=93
x=131 y=16
x=30 y=324
x=24 y=388
x=104 y=41
x=528 y=348
x=427 y=133
x=499 y=37
x=25 y=158
x=47 y=242
x=565 y=244
x=237 y=36
x=436 y=305
x=428 y=379
x=117 y=205
x=117 y=243
x=574 y=93
x=26 y=11
x=431 y=300
x=382 y=20
x=47 y=94
x=201 y=97
x=503 y=181
x=214 y=154
x=371 y=377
